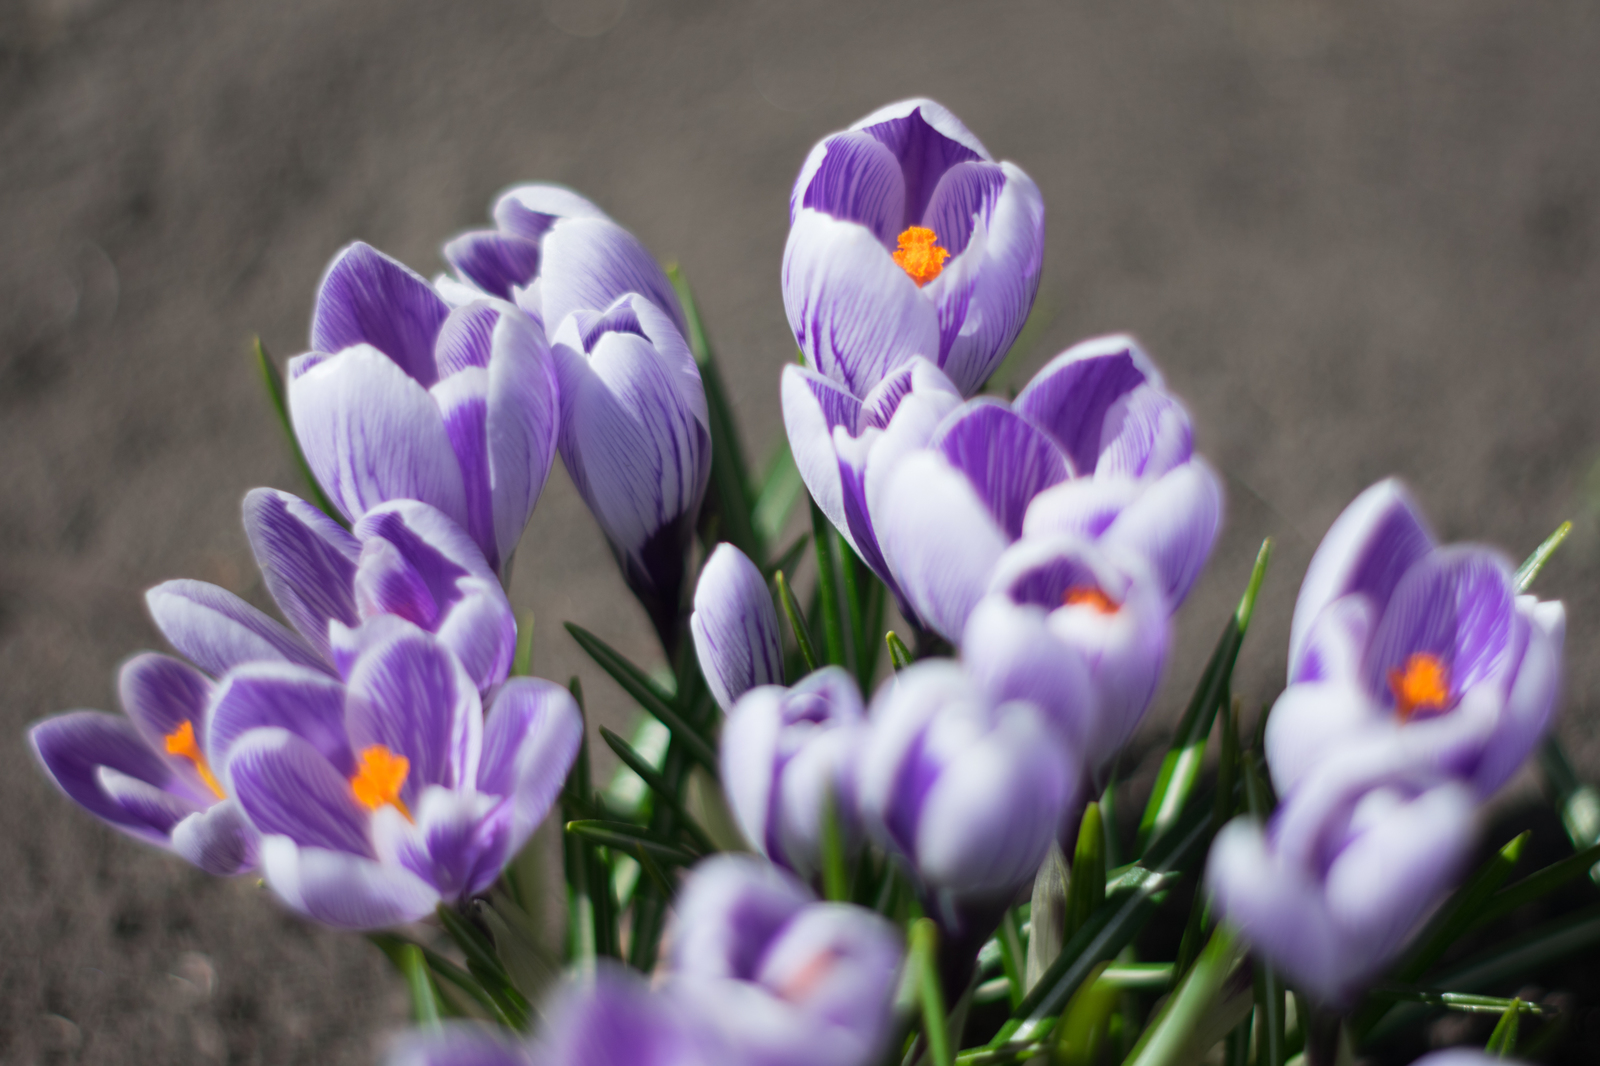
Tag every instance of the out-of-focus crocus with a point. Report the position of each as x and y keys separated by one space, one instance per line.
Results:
x=147 y=774
x=1346 y=874
x=789 y=980
x=735 y=627
x=907 y=239
x=382 y=796
x=402 y=558
x=1094 y=446
x=970 y=792
x=845 y=447
x=1078 y=629
x=402 y=397
x=785 y=754
x=636 y=440
x=1398 y=643
x=553 y=252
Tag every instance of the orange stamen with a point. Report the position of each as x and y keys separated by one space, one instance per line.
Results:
x=920 y=256
x=1088 y=596
x=1423 y=685
x=181 y=742
x=379 y=778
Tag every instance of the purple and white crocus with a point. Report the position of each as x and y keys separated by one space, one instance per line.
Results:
x=735 y=627
x=403 y=397
x=1093 y=447
x=908 y=239
x=636 y=440
x=381 y=796
x=1401 y=648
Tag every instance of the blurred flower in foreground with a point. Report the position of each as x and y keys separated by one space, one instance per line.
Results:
x=147 y=773
x=786 y=752
x=1345 y=875
x=403 y=398
x=908 y=239
x=1399 y=645
x=735 y=627
x=552 y=252
x=1094 y=447
x=968 y=790
x=788 y=980
x=636 y=439
x=381 y=797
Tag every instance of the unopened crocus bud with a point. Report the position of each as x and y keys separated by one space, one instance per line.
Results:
x=1093 y=447
x=968 y=791
x=636 y=440
x=1398 y=644
x=908 y=239
x=402 y=397
x=788 y=979
x=789 y=753
x=735 y=627
x=1346 y=874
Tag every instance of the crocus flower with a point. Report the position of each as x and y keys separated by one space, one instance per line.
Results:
x=785 y=753
x=382 y=796
x=907 y=239
x=845 y=447
x=1345 y=875
x=1399 y=643
x=735 y=627
x=404 y=398
x=789 y=980
x=969 y=792
x=1093 y=446
x=146 y=774
x=636 y=440
x=553 y=252
x=1079 y=629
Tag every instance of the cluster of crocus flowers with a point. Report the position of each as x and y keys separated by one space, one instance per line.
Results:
x=1419 y=681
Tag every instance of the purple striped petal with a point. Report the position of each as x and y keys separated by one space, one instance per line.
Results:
x=812 y=406
x=430 y=541
x=530 y=210
x=160 y=693
x=855 y=314
x=1081 y=506
x=1073 y=395
x=1366 y=551
x=529 y=743
x=73 y=747
x=386 y=583
x=481 y=631
x=220 y=840
x=523 y=425
x=307 y=561
x=1173 y=525
x=288 y=788
x=943 y=576
x=413 y=696
x=857 y=179
x=467 y=338
x=1007 y=460
x=728 y=911
x=1146 y=434
x=217 y=631
x=144 y=804
x=367 y=298
x=590 y=262
x=279 y=696
x=494 y=262
x=1531 y=701
x=858 y=955
x=928 y=140
x=344 y=890
x=463 y=400
x=735 y=627
x=370 y=434
x=458 y=844
x=965 y=197
x=1009 y=651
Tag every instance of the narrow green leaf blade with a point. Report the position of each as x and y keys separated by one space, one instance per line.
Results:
x=1529 y=570
x=624 y=837
x=924 y=939
x=833 y=635
x=899 y=654
x=658 y=784
x=424 y=998
x=648 y=694
x=1087 y=889
x=1503 y=1041
x=835 y=875
x=797 y=622
x=279 y=398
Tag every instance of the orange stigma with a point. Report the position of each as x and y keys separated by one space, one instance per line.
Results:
x=379 y=779
x=920 y=255
x=181 y=742
x=1423 y=685
x=1089 y=596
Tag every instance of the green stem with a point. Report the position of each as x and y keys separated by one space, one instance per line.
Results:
x=827 y=587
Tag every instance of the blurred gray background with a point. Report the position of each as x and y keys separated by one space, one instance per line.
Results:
x=1360 y=237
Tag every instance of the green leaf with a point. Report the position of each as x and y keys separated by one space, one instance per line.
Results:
x=484 y=964
x=1538 y=884
x=1167 y=1038
x=1087 y=889
x=797 y=622
x=522 y=662
x=1503 y=1041
x=833 y=635
x=781 y=486
x=424 y=997
x=899 y=654
x=646 y=692
x=1529 y=570
x=1180 y=769
x=728 y=495
x=279 y=399
x=835 y=877
x=1465 y=1002
x=1012 y=956
x=1577 y=803
x=1271 y=1049
x=1086 y=1022
x=625 y=837
x=1137 y=976
x=924 y=941
x=658 y=784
